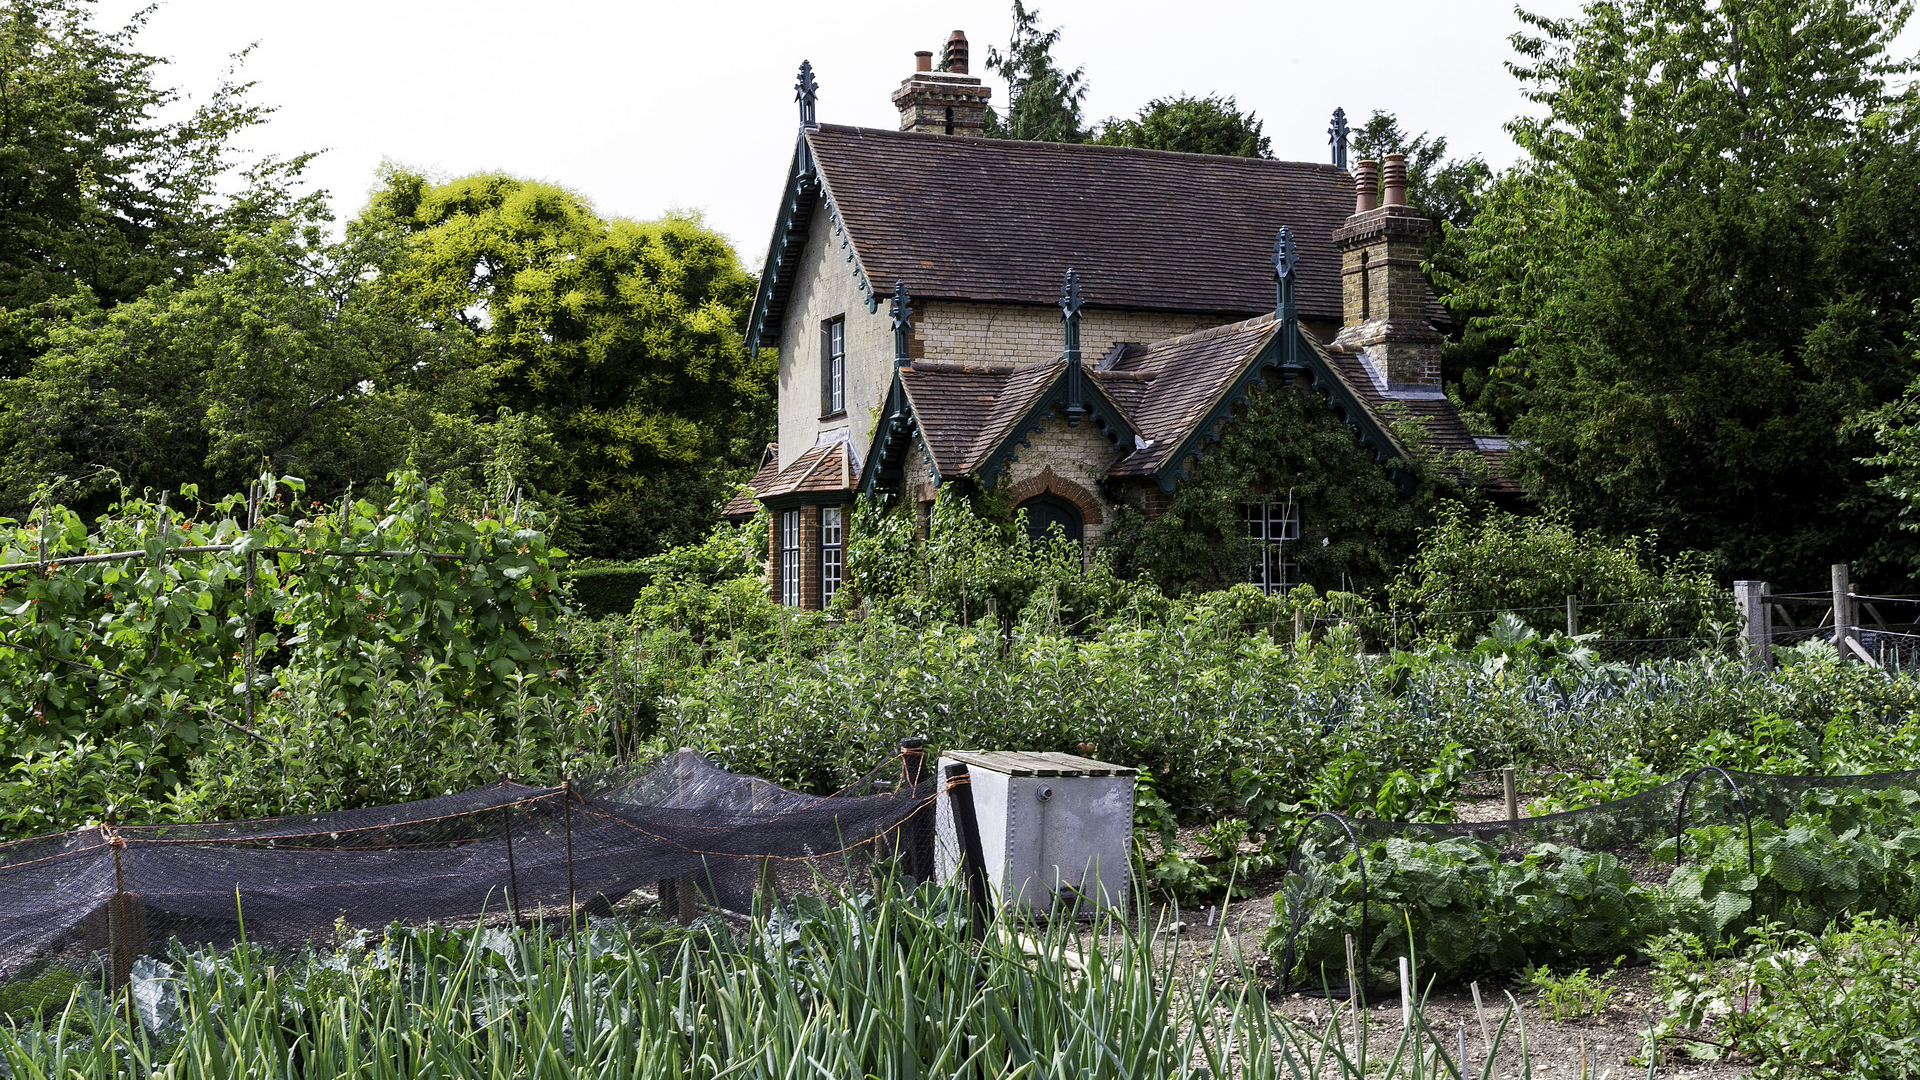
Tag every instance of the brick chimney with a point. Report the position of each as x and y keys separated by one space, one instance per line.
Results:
x=1383 y=293
x=945 y=102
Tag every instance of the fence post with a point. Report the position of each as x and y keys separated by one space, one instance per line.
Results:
x=1756 y=621
x=973 y=859
x=1573 y=616
x=513 y=872
x=566 y=825
x=126 y=921
x=916 y=833
x=1510 y=791
x=246 y=598
x=1842 y=609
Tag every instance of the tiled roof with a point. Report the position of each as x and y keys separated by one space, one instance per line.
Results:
x=1446 y=432
x=822 y=469
x=965 y=410
x=995 y=220
x=746 y=502
x=1168 y=386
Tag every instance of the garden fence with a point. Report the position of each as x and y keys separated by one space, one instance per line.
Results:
x=680 y=828
x=1881 y=630
x=1629 y=631
x=1711 y=853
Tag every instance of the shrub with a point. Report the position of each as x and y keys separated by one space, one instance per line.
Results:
x=1466 y=570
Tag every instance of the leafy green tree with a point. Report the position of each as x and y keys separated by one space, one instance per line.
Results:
x=1702 y=274
x=1470 y=567
x=1190 y=125
x=623 y=336
x=300 y=351
x=98 y=197
x=1044 y=101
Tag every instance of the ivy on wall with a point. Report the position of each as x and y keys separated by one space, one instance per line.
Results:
x=1356 y=525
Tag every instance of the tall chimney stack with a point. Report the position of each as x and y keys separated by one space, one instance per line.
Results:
x=944 y=102
x=1383 y=292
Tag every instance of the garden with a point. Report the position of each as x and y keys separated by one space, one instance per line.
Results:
x=183 y=660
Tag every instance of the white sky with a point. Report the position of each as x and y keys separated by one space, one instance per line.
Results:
x=645 y=105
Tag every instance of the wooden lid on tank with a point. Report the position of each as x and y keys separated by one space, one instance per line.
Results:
x=1036 y=763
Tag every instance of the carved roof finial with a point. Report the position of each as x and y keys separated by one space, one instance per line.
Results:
x=1337 y=137
x=1285 y=254
x=1071 y=301
x=1070 y=298
x=807 y=92
x=902 y=312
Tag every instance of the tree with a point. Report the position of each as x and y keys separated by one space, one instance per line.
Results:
x=1044 y=102
x=624 y=336
x=299 y=352
x=1190 y=125
x=98 y=198
x=1702 y=274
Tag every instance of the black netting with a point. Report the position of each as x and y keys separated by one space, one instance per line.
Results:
x=1710 y=854
x=680 y=830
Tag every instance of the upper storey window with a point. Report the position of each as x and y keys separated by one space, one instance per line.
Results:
x=833 y=366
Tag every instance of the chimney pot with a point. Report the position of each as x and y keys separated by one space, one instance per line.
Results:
x=923 y=60
x=1366 y=185
x=1393 y=180
x=957 y=53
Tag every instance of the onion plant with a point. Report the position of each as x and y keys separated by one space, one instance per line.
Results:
x=894 y=986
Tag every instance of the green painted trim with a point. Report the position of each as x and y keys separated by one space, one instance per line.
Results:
x=1104 y=413
x=791 y=232
x=884 y=434
x=1340 y=398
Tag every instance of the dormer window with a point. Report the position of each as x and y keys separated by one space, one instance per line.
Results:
x=833 y=366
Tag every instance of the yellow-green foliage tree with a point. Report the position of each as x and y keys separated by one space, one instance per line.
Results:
x=624 y=336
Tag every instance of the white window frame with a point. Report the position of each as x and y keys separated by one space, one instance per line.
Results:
x=1274 y=527
x=833 y=364
x=833 y=552
x=790 y=557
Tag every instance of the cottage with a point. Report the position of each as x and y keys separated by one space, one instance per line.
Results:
x=1072 y=323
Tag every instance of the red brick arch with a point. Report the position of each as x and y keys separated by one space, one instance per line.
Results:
x=1048 y=482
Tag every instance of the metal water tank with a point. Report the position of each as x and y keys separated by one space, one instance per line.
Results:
x=1055 y=829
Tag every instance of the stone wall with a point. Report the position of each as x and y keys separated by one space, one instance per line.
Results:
x=1067 y=460
x=825 y=287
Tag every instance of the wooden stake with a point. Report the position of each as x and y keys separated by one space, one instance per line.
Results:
x=1842 y=608
x=1573 y=616
x=513 y=873
x=246 y=599
x=1486 y=1033
x=1510 y=788
x=1353 y=981
x=1406 y=993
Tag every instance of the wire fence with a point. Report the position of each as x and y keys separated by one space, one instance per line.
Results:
x=1627 y=631
x=1710 y=853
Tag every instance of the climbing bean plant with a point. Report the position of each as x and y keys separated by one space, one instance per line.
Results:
x=165 y=629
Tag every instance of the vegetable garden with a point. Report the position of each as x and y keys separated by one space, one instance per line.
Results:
x=271 y=656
